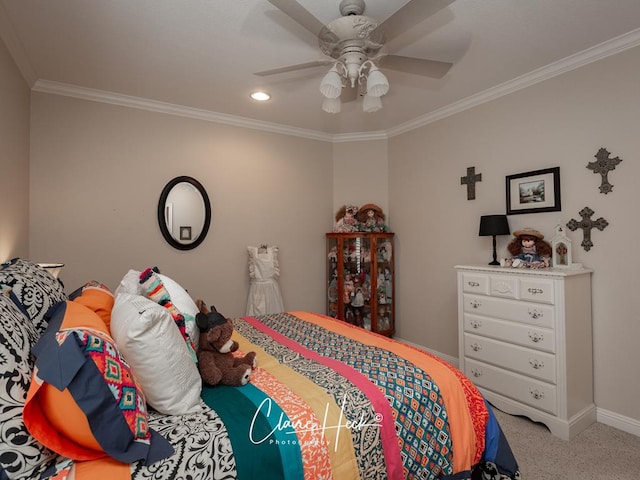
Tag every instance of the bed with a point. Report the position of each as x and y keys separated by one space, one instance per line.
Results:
x=327 y=400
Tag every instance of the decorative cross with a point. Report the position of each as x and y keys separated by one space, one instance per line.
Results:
x=603 y=165
x=586 y=224
x=470 y=181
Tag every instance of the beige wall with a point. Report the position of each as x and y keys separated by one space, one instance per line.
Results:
x=14 y=160
x=97 y=172
x=561 y=122
x=360 y=174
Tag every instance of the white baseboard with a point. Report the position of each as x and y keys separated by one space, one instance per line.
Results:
x=612 y=419
x=618 y=421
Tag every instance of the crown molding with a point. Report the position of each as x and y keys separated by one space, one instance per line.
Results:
x=57 y=88
x=610 y=47
x=359 y=137
x=590 y=55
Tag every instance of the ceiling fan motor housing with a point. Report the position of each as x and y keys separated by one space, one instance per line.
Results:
x=346 y=31
x=351 y=7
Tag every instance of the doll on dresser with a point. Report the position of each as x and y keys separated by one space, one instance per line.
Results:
x=528 y=250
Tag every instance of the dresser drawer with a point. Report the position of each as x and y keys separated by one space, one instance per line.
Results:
x=537 y=394
x=511 y=332
x=517 y=311
x=532 y=363
x=475 y=283
x=503 y=286
x=536 y=290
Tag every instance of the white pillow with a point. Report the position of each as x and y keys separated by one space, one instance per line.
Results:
x=150 y=341
x=130 y=283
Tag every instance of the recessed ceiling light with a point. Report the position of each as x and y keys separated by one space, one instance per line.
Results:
x=260 y=96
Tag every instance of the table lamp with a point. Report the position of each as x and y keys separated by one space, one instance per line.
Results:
x=52 y=268
x=492 y=225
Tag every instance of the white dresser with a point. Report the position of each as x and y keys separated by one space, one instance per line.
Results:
x=525 y=340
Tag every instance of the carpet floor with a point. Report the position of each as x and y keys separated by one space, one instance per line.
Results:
x=598 y=453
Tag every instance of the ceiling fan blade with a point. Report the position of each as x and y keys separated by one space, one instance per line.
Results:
x=298 y=13
x=293 y=68
x=417 y=66
x=412 y=13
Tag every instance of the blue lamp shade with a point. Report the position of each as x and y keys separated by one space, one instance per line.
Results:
x=492 y=225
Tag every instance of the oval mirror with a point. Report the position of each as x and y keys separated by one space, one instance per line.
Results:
x=184 y=213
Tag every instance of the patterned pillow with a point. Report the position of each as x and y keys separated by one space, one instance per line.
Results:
x=36 y=289
x=84 y=402
x=21 y=455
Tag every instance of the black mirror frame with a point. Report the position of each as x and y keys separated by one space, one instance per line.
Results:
x=161 y=220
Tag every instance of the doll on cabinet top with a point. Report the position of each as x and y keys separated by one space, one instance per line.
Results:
x=368 y=218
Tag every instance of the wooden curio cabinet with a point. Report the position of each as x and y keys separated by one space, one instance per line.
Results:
x=360 y=280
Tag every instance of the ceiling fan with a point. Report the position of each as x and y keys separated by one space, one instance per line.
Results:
x=354 y=42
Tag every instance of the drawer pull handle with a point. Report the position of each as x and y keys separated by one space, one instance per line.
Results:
x=473 y=284
x=476 y=323
x=476 y=347
x=535 y=291
x=535 y=313
x=475 y=303
x=537 y=364
x=536 y=337
x=537 y=394
x=476 y=372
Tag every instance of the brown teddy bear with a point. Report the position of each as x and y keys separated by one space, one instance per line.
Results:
x=216 y=361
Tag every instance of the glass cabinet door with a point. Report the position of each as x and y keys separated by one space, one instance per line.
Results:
x=360 y=280
x=357 y=281
x=332 y=277
x=384 y=284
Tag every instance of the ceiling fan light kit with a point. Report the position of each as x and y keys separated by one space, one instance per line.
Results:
x=371 y=103
x=351 y=71
x=377 y=83
x=331 y=85
x=332 y=105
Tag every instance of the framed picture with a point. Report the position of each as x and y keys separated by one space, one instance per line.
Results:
x=534 y=192
x=185 y=233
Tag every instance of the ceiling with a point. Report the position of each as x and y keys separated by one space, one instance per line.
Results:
x=198 y=57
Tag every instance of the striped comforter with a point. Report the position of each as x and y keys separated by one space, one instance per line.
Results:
x=329 y=400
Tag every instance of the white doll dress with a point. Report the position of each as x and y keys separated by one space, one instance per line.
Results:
x=264 y=291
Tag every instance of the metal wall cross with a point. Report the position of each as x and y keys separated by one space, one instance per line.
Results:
x=586 y=224
x=470 y=181
x=603 y=165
